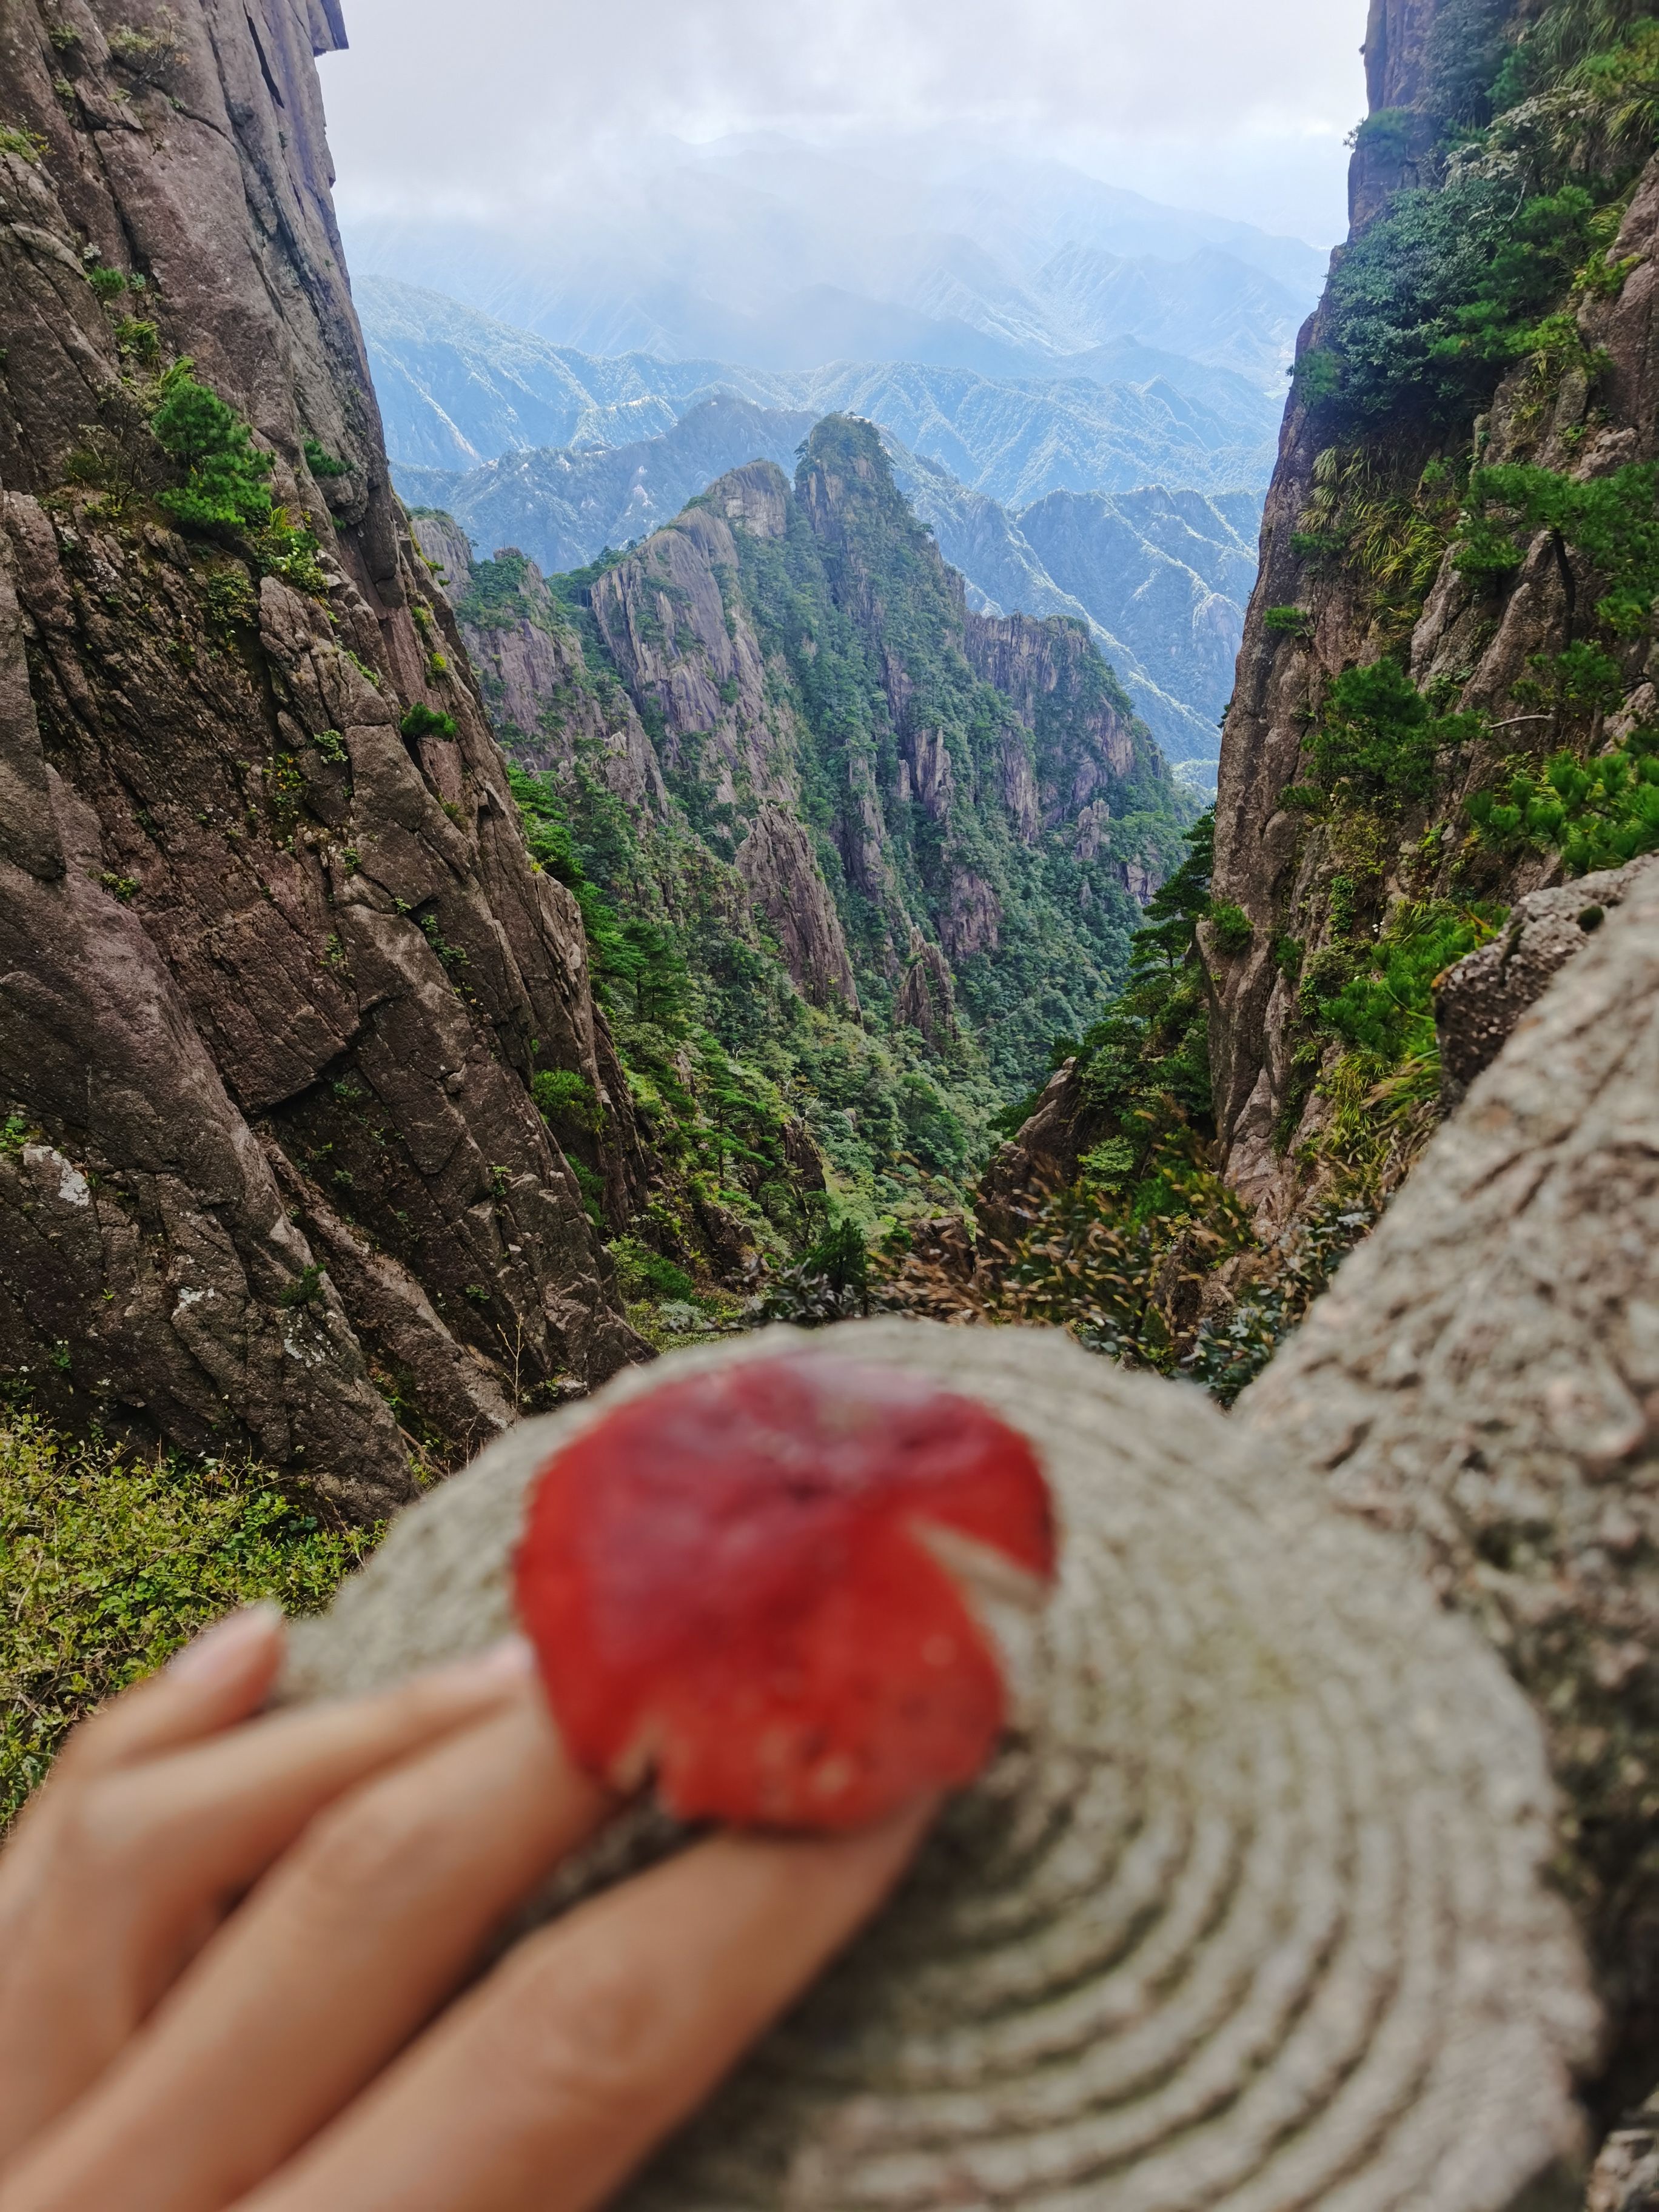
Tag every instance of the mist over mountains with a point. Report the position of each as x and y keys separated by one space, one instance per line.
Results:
x=1079 y=390
x=458 y=388
x=782 y=255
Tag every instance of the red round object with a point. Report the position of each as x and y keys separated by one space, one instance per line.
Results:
x=729 y=1582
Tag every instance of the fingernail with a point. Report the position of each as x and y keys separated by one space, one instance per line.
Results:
x=511 y=1661
x=225 y=1647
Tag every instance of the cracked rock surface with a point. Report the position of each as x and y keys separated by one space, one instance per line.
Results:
x=1482 y=1381
x=274 y=977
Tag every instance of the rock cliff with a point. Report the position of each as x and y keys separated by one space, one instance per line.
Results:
x=1459 y=421
x=275 y=968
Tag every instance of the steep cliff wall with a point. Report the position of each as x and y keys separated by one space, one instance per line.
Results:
x=276 y=969
x=966 y=783
x=1445 y=670
x=1444 y=703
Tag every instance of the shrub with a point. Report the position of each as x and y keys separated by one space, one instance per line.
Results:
x=646 y=1274
x=1145 y=1065
x=224 y=486
x=322 y=463
x=108 y=283
x=1231 y=928
x=139 y=340
x=1531 y=265
x=1596 y=814
x=832 y=1283
x=109 y=1562
x=1378 y=736
x=27 y=145
x=290 y=550
x=565 y=1095
x=1387 y=1008
x=422 y=721
x=1614 y=520
x=149 y=56
x=1288 y=622
x=230 y=598
x=1387 y=133
x=1429 y=304
x=306 y=1289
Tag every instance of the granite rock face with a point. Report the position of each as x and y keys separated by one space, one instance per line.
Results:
x=790 y=694
x=1479 y=1002
x=274 y=975
x=1482 y=1381
x=1473 y=644
x=776 y=861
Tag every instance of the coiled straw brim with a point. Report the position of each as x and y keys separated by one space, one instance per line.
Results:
x=1249 y=1913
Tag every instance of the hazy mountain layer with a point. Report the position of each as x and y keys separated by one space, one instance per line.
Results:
x=457 y=389
x=565 y=505
x=1161 y=578
x=1166 y=576
x=774 y=252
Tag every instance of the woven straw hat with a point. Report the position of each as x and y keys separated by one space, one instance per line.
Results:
x=1250 y=1911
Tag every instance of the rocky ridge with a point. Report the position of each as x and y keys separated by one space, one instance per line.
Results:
x=1162 y=578
x=920 y=837
x=276 y=969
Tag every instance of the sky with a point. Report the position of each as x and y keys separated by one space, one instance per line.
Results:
x=520 y=109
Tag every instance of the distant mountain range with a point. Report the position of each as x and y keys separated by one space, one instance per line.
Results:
x=458 y=388
x=1161 y=578
x=768 y=250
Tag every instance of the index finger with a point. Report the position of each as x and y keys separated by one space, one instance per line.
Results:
x=545 y=2086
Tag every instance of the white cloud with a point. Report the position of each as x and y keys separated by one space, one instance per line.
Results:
x=513 y=105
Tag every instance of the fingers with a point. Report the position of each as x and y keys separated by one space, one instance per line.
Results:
x=133 y=1862
x=220 y=1678
x=356 y=1938
x=542 y=2089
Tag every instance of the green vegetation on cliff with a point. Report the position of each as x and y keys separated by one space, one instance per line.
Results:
x=111 y=1559
x=1487 y=275
x=937 y=821
x=855 y=604
x=1462 y=433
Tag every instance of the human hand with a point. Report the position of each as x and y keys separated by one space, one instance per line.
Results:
x=231 y=1944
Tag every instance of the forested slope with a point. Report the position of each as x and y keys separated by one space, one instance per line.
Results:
x=1444 y=700
x=875 y=851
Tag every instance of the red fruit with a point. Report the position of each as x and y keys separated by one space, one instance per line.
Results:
x=736 y=1580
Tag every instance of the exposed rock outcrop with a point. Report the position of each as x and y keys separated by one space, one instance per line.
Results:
x=776 y=861
x=927 y=998
x=256 y=945
x=1036 y=663
x=541 y=702
x=1483 y=1382
x=1626 y=2176
x=802 y=654
x=1040 y=1159
x=1475 y=642
x=1479 y=1002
